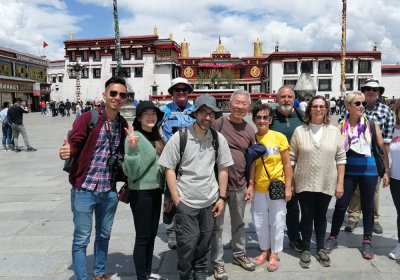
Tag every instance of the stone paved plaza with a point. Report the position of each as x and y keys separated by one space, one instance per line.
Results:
x=36 y=226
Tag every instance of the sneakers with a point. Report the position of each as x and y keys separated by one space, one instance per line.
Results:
x=367 y=250
x=351 y=225
x=31 y=149
x=172 y=240
x=220 y=273
x=395 y=253
x=305 y=259
x=200 y=275
x=377 y=228
x=102 y=277
x=296 y=245
x=330 y=244
x=154 y=276
x=244 y=261
x=323 y=258
x=17 y=150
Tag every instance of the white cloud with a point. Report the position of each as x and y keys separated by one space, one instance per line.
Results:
x=296 y=24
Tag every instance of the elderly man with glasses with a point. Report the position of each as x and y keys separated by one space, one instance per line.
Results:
x=383 y=116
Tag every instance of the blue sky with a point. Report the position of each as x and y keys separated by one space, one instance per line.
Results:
x=295 y=25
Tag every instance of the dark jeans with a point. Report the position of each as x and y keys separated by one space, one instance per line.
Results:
x=367 y=186
x=146 y=208
x=293 y=218
x=194 y=228
x=314 y=206
x=395 y=190
x=7 y=133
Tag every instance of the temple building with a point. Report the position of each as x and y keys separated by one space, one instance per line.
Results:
x=23 y=76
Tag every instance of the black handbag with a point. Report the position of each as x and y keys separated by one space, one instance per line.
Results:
x=276 y=186
x=376 y=150
x=124 y=194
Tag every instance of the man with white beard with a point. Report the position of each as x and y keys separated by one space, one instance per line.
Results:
x=286 y=119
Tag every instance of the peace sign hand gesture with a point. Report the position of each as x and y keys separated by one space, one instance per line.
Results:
x=132 y=138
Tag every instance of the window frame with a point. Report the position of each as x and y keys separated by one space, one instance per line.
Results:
x=319 y=85
x=286 y=67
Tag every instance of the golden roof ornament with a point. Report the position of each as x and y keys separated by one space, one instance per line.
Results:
x=184 y=48
x=257 y=48
x=155 y=30
x=220 y=48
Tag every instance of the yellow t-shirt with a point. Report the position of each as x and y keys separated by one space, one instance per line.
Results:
x=275 y=142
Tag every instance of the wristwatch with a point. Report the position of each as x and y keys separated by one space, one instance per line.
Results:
x=224 y=198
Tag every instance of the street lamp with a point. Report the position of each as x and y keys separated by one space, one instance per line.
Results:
x=75 y=70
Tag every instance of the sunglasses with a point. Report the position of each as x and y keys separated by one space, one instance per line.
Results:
x=122 y=95
x=359 y=103
x=374 y=89
x=177 y=90
x=264 y=118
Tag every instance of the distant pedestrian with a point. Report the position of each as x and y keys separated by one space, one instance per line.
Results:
x=15 y=118
x=68 y=106
x=6 y=127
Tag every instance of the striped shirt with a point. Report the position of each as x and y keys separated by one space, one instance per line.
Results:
x=99 y=176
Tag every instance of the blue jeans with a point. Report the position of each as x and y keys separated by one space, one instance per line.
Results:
x=104 y=206
x=7 y=133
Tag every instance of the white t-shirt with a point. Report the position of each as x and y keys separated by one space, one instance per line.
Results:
x=395 y=154
x=303 y=106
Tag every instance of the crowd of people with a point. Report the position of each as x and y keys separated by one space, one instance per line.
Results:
x=65 y=109
x=204 y=163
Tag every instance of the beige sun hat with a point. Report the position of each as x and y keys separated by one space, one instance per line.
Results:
x=178 y=81
x=374 y=84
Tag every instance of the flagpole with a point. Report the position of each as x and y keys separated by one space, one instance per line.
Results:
x=343 y=62
x=117 y=38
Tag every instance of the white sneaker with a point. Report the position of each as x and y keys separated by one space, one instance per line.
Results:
x=395 y=253
x=154 y=276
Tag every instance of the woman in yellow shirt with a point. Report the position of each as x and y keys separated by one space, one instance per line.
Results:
x=269 y=215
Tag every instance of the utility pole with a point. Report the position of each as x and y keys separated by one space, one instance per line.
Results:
x=117 y=39
x=343 y=62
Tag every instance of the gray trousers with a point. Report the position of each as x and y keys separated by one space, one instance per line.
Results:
x=16 y=130
x=193 y=228
x=237 y=205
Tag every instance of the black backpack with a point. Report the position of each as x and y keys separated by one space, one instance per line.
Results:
x=68 y=163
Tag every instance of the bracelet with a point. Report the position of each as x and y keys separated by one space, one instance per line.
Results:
x=224 y=198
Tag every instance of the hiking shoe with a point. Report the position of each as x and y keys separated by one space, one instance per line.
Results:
x=377 y=228
x=296 y=245
x=244 y=261
x=367 y=250
x=395 y=253
x=220 y=273
x=172 y=241
x=305 y=259
x=200 y=275
x=102 y=277
x=17 y=150
x=323 y=258
x=31 y=149
x=351 y=225
x=154 y=276
x=330 y=244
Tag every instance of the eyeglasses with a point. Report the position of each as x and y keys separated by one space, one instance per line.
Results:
x=359 y=103
x=264 y=118
x=318 y=106
x=183 y=90
x=205 y=113
x=374 y=89
x=122 y=95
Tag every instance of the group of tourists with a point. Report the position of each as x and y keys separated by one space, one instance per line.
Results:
x=204 y=163
x=11 y=119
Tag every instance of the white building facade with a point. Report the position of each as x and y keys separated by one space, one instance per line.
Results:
x=391 y=80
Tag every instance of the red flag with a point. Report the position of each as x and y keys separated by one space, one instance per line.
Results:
x=44 y=44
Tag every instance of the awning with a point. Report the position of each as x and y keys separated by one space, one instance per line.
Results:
x=220 y=65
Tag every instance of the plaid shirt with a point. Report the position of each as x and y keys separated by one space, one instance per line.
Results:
x=99 y=176
x=383 y=116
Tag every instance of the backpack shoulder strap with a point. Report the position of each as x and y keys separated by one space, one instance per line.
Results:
x=94 y=119
x=182 y=146
x=215 y=141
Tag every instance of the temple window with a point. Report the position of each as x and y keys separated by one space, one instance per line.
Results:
x=126 y=54
x=290 y=68
x=324 y=85
x=325 y=67
x=364 y=66
x=138 y=72
x=96 y=73
x=349 y=83
x=349 y=66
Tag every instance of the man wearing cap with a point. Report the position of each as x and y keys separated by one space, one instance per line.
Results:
x=176 y=115
x=240 y=135
x=383 y=116
x=286 y=120
x=196 y=193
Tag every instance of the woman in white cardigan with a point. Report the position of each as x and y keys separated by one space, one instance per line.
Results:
x=318 y=156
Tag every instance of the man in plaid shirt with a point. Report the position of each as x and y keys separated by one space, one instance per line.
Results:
x=93 y=177
x=383 y=116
